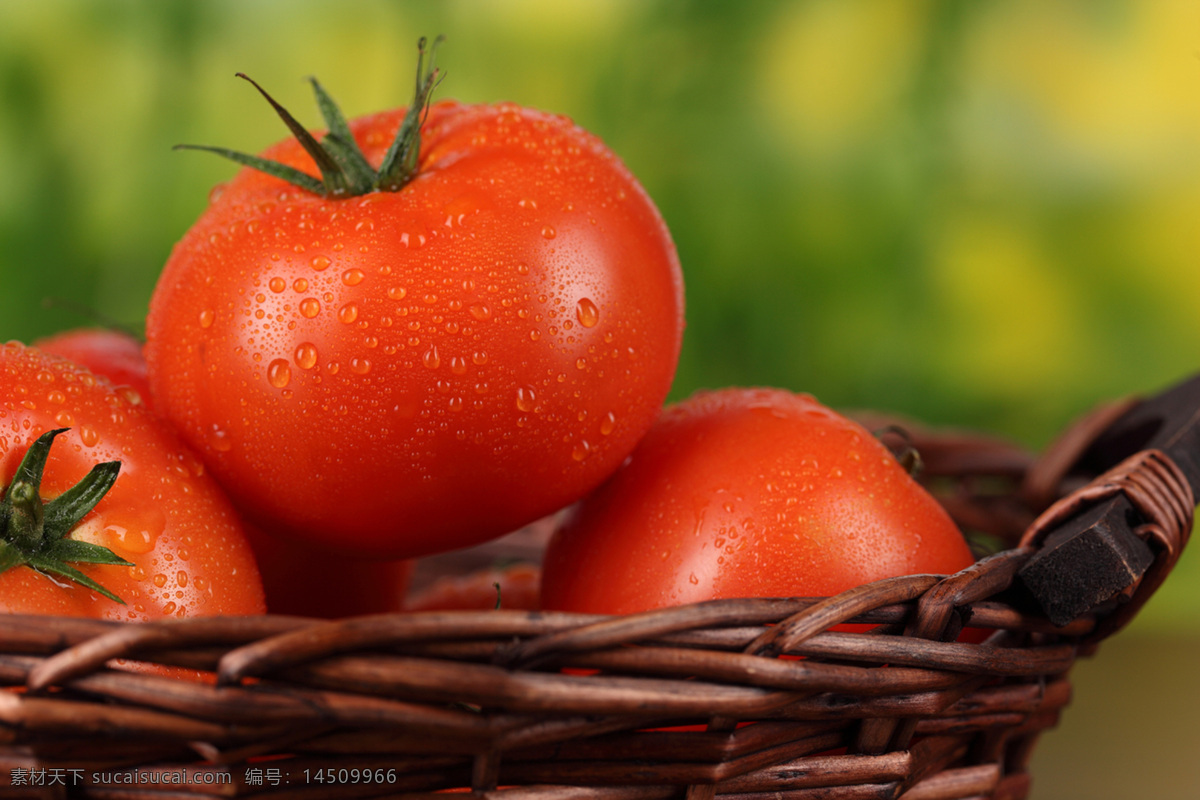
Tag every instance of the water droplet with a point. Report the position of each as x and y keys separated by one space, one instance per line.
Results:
x=219 y=440
x=608 y=424
x=548 y=232
x=277 y=284
x=300 y=285
x=525 y=398
x=481 y=313
x=310 y=307
x=64 y=418
x=396 y=292
x=458 y=365
x=181 y=578
x=587 y=313
x=692 y=579
x=479 y=358
x=159 y=580
x=320 y=263
x=431 y=358
x=306 y=355
x=581 y=363
x=135 y=540
x=534 y=335
x=522 y=269
x=581 y=450
x=206 y=318
x=456 y=404
x=88 y=435
x=279 y=373
x=56 y=397
x=352 y=277
x=348 y=313
x=360 y=366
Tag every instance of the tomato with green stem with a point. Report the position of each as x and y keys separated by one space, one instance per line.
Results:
x=747 y=493
x=146 y=534
x=425 y=329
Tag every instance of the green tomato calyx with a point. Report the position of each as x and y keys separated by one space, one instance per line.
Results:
x=344 y=169
x=35 y=533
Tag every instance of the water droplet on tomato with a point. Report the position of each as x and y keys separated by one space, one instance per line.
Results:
x=277 y=284
x=88 y=435
x=348 y=313
x=581 y=363
x=310 y=307
x=160 y=580
x=456 y=404
x=206 y=318
x=534 y=335
x=306 y=355
x=458 y=365
x=581 y=450
x=219 y=440
x=525 y=398
x=481 y=313
x=548 y=232
x=300 y=285
x=608 y=423
x=396 y=292
x=64 y=419
x=431 y=358
x=320 y=263
x=279 y=373
x=587 y=313
x=352 y=277
x=360 y=366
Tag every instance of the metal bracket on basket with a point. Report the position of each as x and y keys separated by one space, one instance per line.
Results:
x=1090 y=549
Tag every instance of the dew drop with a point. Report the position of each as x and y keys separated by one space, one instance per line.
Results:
x=279 y=373
x=396 y=292
x=431 y=358
x=64 y=418
x=320 y=263
x=456 y=404
x=159 y=580
x=88 y=435
x=181 y=578
x=525 y=398
x=306 y=355
x=131 y=540
x=458 y=365
x=587 y=313
x=548 y=232
x=277 y=284
x=310 y=307
x=608 y=423
x=206 y=318
x=348 y=313
x=352 y=277
x=219 y=440
x=581 y=450
x=300 y=285
x=360 y=366
x=481 y=313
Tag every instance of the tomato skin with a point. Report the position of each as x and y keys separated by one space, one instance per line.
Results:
x=747 y=493
x=112 y=354
x=408 y=372
x=514 y=587
x=163 y=513
x=311 y=582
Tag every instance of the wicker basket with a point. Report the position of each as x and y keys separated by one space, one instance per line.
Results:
x=758 y=698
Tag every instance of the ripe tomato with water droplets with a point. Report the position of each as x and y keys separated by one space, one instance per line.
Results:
x=403 y=372
x=747 y=493
x=184 y=545
x=110 y=353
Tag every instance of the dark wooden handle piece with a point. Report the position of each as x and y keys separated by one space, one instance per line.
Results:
x=1095 y=556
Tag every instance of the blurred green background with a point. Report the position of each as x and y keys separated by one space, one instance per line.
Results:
x=978 y=213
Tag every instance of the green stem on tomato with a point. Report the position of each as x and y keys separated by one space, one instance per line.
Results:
x=344 y=169
x=36 y=534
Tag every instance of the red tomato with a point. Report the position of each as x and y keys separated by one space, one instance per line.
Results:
x=310 y=582
x=747 y=493
x=106 y=352
x=511 y=587
x=413 y=371
x=164 y=515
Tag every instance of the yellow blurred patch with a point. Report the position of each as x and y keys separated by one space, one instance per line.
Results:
x=1010 y=321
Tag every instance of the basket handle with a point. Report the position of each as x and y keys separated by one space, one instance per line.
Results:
x=1118 y=536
